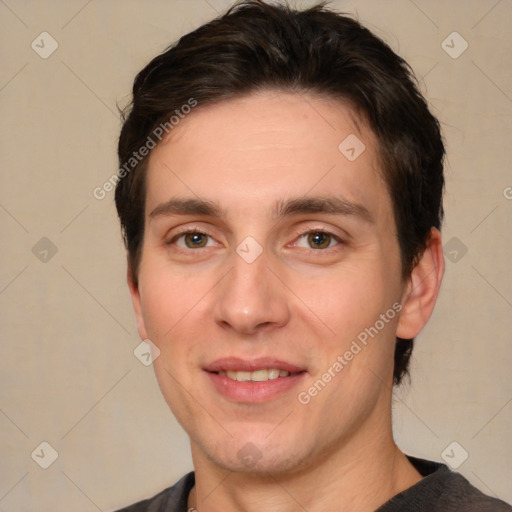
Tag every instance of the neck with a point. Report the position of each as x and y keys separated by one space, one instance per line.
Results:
x=358 y=476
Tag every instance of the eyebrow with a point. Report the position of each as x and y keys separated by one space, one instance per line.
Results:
x=283 y=208
x=322 y=204
x=187 y=207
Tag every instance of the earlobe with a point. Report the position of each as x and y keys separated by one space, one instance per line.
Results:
x=136 y=302
x=422 y=288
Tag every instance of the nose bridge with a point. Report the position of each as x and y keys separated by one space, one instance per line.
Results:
x=248 y=281
x=251 y=297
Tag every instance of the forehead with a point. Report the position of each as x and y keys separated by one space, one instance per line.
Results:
x=255 y=150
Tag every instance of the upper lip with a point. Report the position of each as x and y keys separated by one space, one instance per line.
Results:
x=251 y=365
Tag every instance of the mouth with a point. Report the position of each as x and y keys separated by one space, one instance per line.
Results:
x=253 y=381
x=262 y=375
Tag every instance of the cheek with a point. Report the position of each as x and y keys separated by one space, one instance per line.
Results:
x=174 y=308
x=170 y=305
x=346 y=301
x=165 y=301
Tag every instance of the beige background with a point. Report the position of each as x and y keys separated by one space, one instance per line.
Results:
x=69 y=376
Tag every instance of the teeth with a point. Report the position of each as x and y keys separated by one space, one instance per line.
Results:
x=256 y=376
x=259 y=375
x=274 y=374
x=242 y=376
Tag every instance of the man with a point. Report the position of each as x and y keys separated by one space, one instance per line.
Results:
x=280 y=195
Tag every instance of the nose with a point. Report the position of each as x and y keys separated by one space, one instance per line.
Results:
x=251 y=299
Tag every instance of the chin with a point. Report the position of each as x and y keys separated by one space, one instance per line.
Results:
x=260 y=458
x=265 y=467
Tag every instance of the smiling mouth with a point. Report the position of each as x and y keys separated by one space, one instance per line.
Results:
x=254 y=381
x=256 y=375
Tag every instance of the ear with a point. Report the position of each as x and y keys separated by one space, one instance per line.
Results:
x=135 y=295
x=422 y=289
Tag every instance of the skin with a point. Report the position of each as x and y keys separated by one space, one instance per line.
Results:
x=296 y=302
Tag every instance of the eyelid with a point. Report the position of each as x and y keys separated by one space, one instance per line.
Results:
x=341 y=238
x=188 y=230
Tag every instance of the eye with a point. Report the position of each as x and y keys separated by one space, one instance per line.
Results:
x=317 y=240
x=193 y=240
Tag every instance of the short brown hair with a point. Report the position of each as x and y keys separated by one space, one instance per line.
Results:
x=257 y=46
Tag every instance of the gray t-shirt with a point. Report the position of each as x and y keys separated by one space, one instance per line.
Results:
x=440 y=490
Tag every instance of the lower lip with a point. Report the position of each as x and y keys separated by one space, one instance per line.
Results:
x=254 y=392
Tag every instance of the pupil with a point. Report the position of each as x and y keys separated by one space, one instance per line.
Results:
x=320 y=240
x=195 y=240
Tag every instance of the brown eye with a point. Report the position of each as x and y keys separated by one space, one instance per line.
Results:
x=319 y=240
x=195 y=240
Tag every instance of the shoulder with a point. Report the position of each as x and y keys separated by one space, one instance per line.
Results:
x=460 y=495
x=172 y=499
x=442 y=490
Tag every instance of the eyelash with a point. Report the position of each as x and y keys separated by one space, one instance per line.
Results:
x=339 y=240
x=189 y=232
x=300 y=235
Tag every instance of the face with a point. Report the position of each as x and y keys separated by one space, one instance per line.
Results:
x=270 y=281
